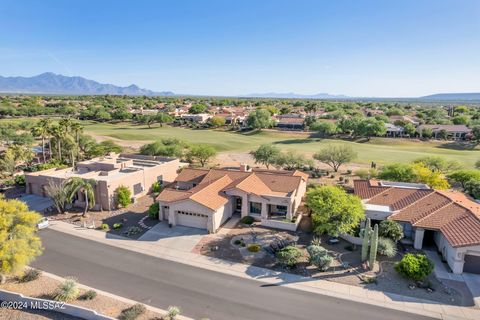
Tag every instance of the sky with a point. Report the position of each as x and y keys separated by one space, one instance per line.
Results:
x=359 y=48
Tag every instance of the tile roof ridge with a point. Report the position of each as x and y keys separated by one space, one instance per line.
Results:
x=386 y=189
x=415 y=202
x=433 y=212
x=476 y=215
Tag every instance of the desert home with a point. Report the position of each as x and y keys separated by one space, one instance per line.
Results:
x=137 y=172
x=206 y=198
x=445 y=220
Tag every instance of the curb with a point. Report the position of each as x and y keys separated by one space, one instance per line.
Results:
x=415 y=305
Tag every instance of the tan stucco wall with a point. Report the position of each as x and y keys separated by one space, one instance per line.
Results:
x=454 y=256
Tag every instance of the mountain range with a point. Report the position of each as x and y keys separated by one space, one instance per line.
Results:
x=51 y=83
x=292 y=95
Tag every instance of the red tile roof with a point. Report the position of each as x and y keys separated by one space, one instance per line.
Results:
x=452 y=213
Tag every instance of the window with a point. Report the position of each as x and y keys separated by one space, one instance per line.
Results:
x=255 y=207
x=282 y=208
x=137 y=188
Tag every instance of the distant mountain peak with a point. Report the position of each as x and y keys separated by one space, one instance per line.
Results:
x=293 y=95
x=468 y=96
x=52 y=83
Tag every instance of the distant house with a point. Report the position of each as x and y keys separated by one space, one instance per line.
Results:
x=136 y=172
x=198 y=118
x=405 y=119
x=291 y=121
x=394 y=131
x=206 y=198
x=446 y=221
x=452 y=131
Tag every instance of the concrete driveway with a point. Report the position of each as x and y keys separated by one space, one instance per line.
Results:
x=36 y=203
x=177 y=238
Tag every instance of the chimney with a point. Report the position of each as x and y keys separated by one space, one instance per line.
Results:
x=245 y=167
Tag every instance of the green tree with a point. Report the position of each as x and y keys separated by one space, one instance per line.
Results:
x=434 y=179
x=124 y=196
x=465 y=175
x=391 y=229
x=266 y=154
x=19 y=242
x=473 y=188
x=259 y=119
x=476 y=133
x=217 y=122
x=439 y=164
x=289 y=256
x=333 y=210
x=86 y=187
x=42 y=130
x=162 y=118
x=201 y=154
x=58 y=192
x=371 y=127
x=335 y=156
x=291 y=160
x=427 y=133
x=398 y=172
x=324 y=128
x=409 y=129
x=197 y=108
x=461 y=120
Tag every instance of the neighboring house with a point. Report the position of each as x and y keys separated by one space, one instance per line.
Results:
x=199 y=118
x=206 y=198
x=394 y=131
x=445 y=220
x=405 y=119
x=453 y=131
x=137 y=172
x=290 y=122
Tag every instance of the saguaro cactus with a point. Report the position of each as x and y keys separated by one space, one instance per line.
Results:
x=373 y=247
x=366 y=239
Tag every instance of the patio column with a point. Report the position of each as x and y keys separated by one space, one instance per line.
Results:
x=289 y=211
x=417 y=244
x=245 y=208
x=264 y=212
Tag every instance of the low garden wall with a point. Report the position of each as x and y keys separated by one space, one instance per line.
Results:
x=352 y=239
x=282 y=225
x=49 y=305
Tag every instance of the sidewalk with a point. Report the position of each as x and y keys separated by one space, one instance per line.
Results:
x=338 y=290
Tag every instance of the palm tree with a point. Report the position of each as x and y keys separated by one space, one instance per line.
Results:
x=42 y=129
x=77 y=129
x=87 y=187
x=58 y=133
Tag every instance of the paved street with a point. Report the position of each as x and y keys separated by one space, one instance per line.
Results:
x=199 y=292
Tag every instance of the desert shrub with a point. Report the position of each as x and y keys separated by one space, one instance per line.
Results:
x=132 y=231
x=390 y=229
x=156 y=187
x=414 y=266
x=319 y=257
x=289 y=256
x=247 y=220
x=133 y=312
x=67 y=291
x=117 y=225
x=20 y=180
x=89 y=295
x=316 y=241
x=254 y=247
x=172 y=313
x=105 y=227
x=153 y=210
x=30 y=275
x=386 y=247
x=124 y=196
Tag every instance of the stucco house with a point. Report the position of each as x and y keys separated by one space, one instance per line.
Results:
x=136 y=172
x=452 y=131
x=206 y=198
x=447 y=221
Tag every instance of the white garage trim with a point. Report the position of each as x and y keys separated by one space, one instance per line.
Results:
x=191 y=219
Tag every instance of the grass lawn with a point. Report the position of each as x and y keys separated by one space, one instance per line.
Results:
x=380 y=150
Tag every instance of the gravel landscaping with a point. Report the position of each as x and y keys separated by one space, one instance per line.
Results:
x=346 y=267
x=44 y=287
x=131 y=222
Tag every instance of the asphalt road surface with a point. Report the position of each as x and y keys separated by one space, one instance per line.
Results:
x=198 y=292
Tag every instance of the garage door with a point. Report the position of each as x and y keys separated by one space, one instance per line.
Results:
x=472 y=264
x=192 y=219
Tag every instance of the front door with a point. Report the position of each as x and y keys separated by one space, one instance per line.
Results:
x=238 y=205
